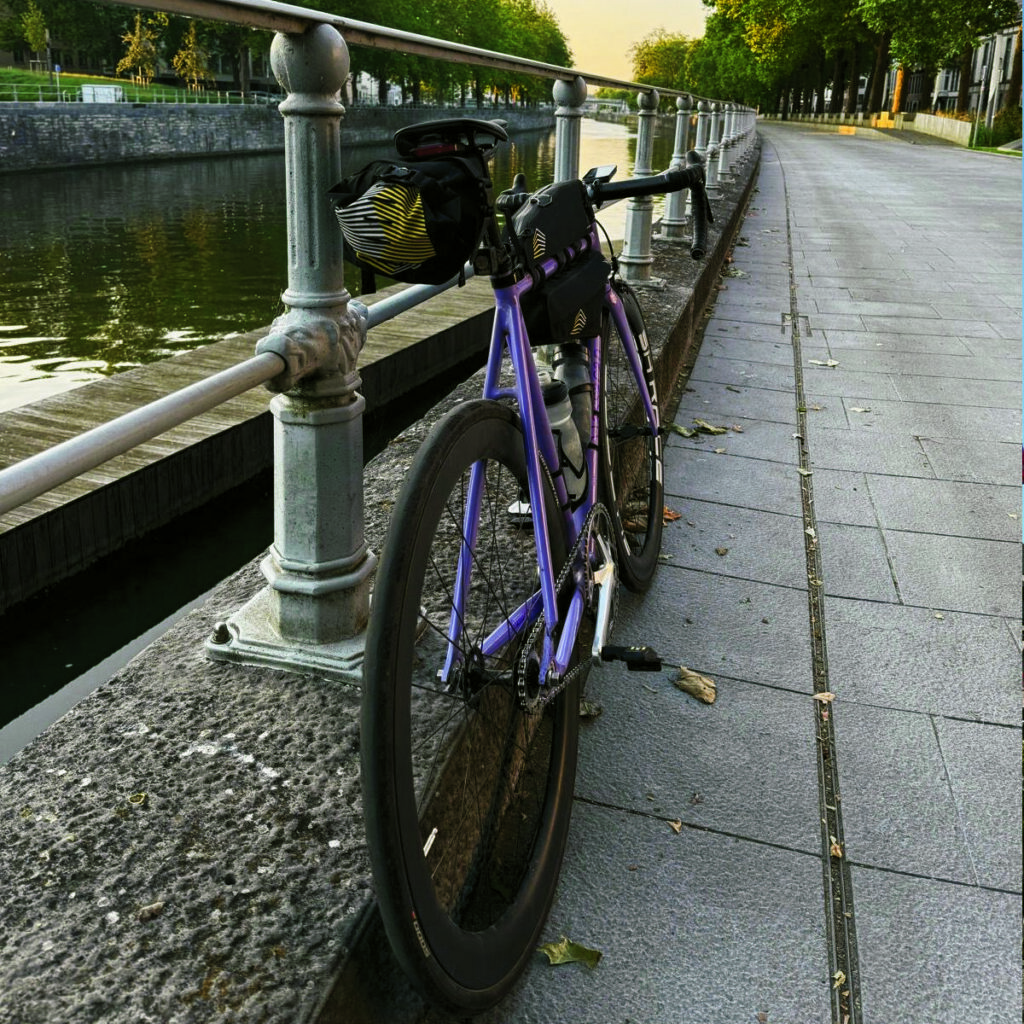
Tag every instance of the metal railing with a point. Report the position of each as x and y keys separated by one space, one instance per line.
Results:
x=23 y=92
x=315 y=605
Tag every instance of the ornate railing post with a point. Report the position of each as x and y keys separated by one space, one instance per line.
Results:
x=569 y=97
x=316 y=602
x=703 y=125
x=674 y=221
x=714 y=147
x=724 y=154
x=636 y=259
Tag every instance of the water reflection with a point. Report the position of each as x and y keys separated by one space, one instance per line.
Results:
x=105 y=268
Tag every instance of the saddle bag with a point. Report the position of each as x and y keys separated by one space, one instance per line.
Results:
x=418 y=223
x=567 y=306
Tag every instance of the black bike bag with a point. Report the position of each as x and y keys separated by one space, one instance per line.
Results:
x=552 y=219
x=418 y=223
x=567 y=306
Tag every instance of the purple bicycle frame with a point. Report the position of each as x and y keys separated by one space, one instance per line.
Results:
x=509 y=331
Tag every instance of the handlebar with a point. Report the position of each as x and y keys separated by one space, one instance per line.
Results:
x=673 y=180
x=602 y=191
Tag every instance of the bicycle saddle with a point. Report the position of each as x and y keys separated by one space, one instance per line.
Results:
x=449 y=135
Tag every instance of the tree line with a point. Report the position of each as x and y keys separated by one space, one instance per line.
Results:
x=812 y=55
x=140 y=45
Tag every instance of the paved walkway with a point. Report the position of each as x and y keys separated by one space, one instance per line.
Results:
x=855 y=532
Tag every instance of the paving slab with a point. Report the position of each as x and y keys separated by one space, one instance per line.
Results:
x=868 y=451
x=708 y=951
x=898 y=808
x=744 y=543
x=979 y=460
x=956 y=573
x=855 y=563
x=736 y=400
x=919 y=659
x=763 y=789
x=924 y=419
x=748 y=483
x=875 y=359
x=984 y=511
x=979 y=758
x=931 y=951
x=920 y=344
x=720 y=626
x=756 y=439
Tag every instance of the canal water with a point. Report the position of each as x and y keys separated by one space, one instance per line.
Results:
x=106 y=268
x=103 y=269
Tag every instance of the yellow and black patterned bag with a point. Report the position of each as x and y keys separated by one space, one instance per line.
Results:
x=419 y=223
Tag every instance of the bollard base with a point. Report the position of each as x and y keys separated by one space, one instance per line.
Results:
x=248 y=637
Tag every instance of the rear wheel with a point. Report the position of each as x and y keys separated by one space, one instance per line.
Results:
x=467 y=794
x=631 y=449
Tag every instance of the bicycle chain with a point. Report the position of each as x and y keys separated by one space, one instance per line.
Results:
x=545 y=693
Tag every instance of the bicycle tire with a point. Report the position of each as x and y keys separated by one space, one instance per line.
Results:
x=467 y=797
x=631 y=454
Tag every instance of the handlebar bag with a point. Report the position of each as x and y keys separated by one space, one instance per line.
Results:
x=553 y=218
x=416 y=223
x=567 y=306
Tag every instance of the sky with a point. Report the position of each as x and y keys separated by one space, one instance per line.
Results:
x=600 y=32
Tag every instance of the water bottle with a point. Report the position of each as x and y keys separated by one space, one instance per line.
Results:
x=572 y=366
x=570 y=451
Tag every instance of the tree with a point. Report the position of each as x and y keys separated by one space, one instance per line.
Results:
x=33 y=23
x=661 y=58
x=141 y=57
x=190 y=60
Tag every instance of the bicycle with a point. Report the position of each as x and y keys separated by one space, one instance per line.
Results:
x=496 y=587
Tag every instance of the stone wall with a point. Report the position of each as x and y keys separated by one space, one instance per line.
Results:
x=37 y=136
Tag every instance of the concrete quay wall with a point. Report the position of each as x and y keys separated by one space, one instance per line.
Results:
x=186 y=844
x=40 y=136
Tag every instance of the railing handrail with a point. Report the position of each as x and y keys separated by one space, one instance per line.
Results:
x=291 y=18
x=40 y=473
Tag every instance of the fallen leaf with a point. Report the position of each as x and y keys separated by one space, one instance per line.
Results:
x=737 y=428
x=682 y=431
x=568 y=952
x=810 y=533
x=696 y=685
x=676 y=826
x=153 y=910
x=825 y=698
x=839 y=978
x=816 y=408
x=802 y=471
x=719 y=451
x=939 y=615
x=721 y=551
x=589 y=709
x=709 y=428
x=823 y=362
x=671 y=515
x=836 y=850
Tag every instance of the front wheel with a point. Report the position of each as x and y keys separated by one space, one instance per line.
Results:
x=467 y=794
x=631 y=449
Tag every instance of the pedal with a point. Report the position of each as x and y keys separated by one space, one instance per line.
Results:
x=637 y=659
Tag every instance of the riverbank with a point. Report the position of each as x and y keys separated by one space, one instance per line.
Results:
x=50 y=136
